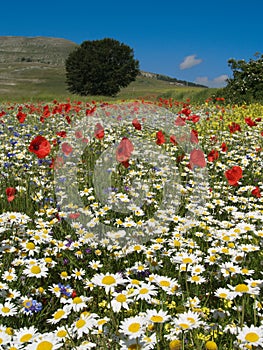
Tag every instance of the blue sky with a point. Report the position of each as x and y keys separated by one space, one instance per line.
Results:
x=188 y=40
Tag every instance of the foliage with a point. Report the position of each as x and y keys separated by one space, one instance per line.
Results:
x=100 y=67
x=247 y=82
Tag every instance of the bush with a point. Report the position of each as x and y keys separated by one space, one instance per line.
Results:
x=247 y=82
x=100 y=67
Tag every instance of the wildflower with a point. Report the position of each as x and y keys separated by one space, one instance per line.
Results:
x=251 y=336
x=77 y=303
x=120 y=300
x=59 y=314
x=133 y=327
x=25 y=335
x=45 y=341
x=107 y=281
x=155 y=316
x=40 y=146
x=99 y=131
x=37 y=270
x=8 y=309
x=160 y=138
x=84 y=324
x=187 y=321
x=211 y=345
x=31 y=306
x=10 y=193
x=145 y=291
x=233 y=175
x=175 y=344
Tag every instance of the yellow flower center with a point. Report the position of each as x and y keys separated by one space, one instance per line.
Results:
x=77 y=300
x=121 y=298
x=187 y=261
x=144 y=291
x=5 y=309
x=35 y=270
x=80 y=323
x=252 y=337
x=242 y=288
x=222 y=295
x=62 y=333
x=134 y=327
x=59 y=314
x=44 y=345
x=165 y=283
x=157 y=319
x=195 y=278
x=108 y=280
x=184 y=325
x=30 y=246
x=25 y=338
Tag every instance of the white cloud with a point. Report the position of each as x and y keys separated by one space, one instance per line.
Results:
x=217 y=82
x=190 y=61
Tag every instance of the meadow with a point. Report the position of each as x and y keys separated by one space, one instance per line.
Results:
x=134 y=224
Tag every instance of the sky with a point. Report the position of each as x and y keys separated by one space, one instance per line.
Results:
x=189 y=40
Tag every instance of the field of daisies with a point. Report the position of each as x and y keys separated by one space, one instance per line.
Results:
x=136 y=225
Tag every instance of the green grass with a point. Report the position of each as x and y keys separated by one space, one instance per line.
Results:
x=47 y=83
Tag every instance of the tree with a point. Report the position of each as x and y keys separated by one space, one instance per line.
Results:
x=100 y=67
x=247 y=82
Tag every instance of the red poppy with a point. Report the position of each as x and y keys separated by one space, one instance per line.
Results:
x=233 y=127
x=197 y=158
x=74 y=216
x=66 y=148
x=124 y=151
x=10 y=193
x=213 y=155
x=90 y=111
x=99 y=131
x=173 y=139
x=21 y=117
x=256 y=192
x=136 y=124
x=78 y=134
x=40 y=146
x=233 y=175
x=250 y=122
x=160 y=138
x=194 y=136
x=194 y=118
x=61 y=134
x=224 y=147
x=186 y=111
x=56 y=163
x=179 y=121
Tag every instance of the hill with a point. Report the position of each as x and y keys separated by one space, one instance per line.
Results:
x=32 y=67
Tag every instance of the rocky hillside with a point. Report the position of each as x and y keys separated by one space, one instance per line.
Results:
x=34 y=49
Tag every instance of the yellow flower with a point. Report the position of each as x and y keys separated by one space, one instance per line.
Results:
x=175 y=345
x=211 y=345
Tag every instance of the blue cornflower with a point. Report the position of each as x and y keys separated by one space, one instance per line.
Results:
x=32 y=306
x=65 y=290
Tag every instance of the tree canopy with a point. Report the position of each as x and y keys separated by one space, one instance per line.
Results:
x=100 y=67
x=246 y=85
